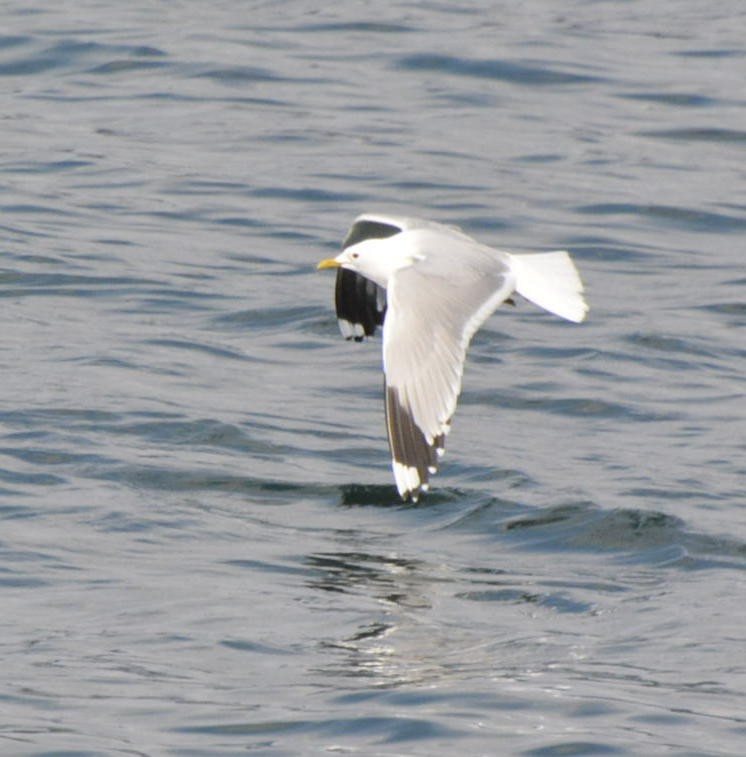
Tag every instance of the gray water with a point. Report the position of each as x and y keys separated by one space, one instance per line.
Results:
x=201 y=548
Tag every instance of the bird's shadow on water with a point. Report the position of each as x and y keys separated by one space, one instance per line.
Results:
x=378 y=495
x=371 y=495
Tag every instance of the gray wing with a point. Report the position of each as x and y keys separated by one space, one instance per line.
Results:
x=434 y=308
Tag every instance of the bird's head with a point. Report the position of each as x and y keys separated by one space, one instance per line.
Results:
x=376 y=259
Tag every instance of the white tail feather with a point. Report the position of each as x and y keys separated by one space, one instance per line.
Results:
x=551 y=281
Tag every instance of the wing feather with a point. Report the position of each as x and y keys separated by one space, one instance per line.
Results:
x=360 y=304
x=429 y=323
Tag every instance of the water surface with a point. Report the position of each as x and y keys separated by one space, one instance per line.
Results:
x=202 y=551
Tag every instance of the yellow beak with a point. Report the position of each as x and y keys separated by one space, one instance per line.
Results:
x=328 y=263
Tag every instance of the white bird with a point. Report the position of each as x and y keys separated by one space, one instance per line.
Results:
x=431 y=287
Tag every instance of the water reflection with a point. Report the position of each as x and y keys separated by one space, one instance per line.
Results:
x=400 y=618
x=387 y=645
x=410 y=626
x=389 y=578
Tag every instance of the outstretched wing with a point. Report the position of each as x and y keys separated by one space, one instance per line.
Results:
x=430 y=321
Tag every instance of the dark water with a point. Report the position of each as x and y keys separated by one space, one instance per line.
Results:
x=201 y=548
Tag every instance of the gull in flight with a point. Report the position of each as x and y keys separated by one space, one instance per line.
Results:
x=430 y=287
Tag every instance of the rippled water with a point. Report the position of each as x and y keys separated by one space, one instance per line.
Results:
x=201 y=549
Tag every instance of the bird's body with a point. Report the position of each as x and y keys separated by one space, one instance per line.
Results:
x=431 y=287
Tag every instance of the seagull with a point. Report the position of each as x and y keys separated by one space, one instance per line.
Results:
x=430 y=286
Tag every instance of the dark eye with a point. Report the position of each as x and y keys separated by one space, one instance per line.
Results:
x=355 y=255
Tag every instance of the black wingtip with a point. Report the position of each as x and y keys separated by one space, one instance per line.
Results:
x=360 y=303
x=414 y=459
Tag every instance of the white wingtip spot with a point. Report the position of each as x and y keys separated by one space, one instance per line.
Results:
x=407 y=480
x=350 y=330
